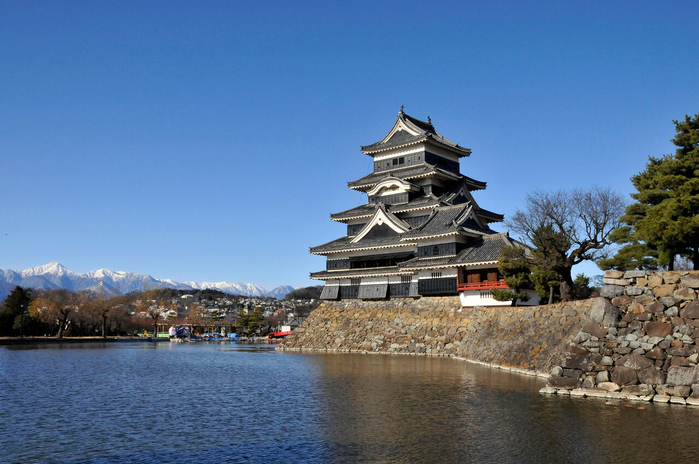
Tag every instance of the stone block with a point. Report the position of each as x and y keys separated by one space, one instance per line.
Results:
x=614 y=274
x=644 y=299
x=690 y=280
x=603 y=312
x=609 y=386
x=656 y=353
x=574 y=361
x=677 y=400
x=644 y=317
x=682 y=390
x=655 y=280
x=621 y=282
x=557 y=371
x=661 y=399
x=685 y=329
x=657 y=329
x=548 y=390
x=578 y=350
x=677 y=375
x=651 y=376
x=666 y=290
x=607 y=361
x=624 y=376
x=655 y=307
x=572 y=373
x=589 y=382
x=636 y=308
x=692 y=401
x=563 y=382
x=671 y=277
x=595 y=329
x=668 y=301
x=679 y=361
x=621 y=300
x=691 y=311
x=634 y=274
x=672 y=311
x=684 y=294
x=611 y=291
x=635 y=290
x=602 y=376
x=594 y=393
x=679 y=350
x=638 y=390
x=635 y=362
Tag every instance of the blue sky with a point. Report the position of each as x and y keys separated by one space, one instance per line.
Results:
x=210 y=140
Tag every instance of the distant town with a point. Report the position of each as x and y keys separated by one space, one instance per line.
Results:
x=206 y=313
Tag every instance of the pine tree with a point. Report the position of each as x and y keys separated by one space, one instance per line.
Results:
x=16 y=305
x=515 y=267
x=663 y=222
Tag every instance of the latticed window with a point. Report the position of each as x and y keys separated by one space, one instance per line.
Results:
x=356 y=281
x=405 y=279
x=436 y=275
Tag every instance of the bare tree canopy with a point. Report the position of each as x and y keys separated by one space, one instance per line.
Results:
x=585 y=217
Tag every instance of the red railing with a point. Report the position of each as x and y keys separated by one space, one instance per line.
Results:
x=482 y=285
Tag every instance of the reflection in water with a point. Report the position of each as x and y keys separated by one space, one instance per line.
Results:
x=226 y=402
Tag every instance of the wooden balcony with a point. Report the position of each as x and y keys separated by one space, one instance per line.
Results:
x=482 y=285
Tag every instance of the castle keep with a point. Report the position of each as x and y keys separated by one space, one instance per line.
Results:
x=421 y=232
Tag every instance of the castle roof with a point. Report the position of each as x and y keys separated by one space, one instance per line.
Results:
x=411 y=131
x=415 y=171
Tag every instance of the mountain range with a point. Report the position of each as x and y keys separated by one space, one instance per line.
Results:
x=55 y=275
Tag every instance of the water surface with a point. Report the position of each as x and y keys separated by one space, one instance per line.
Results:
x=228 y=402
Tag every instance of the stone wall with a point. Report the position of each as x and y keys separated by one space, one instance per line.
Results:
x=645 y=347
x=527 y=339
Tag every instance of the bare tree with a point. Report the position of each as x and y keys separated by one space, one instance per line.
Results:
x=585 y=217
x=55 y=306
x=154 y=304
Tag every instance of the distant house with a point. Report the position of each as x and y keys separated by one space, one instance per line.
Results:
x=421 y=232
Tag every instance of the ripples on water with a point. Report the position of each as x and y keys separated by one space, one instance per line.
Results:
x=228 y=403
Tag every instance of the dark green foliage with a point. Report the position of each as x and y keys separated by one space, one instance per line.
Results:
x=633 y=255
x=581 y=287
x=305 y=293
x=15 y=306
x=663 y=223
x=515 y=267
x=249 y=323
x=545 y=282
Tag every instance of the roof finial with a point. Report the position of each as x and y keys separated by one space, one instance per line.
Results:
x=401 y=108
x=429 y=121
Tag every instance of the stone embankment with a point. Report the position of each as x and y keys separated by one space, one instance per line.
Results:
x=641 y=342
x=530 y=340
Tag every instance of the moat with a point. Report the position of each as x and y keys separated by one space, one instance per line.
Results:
x=211 y=402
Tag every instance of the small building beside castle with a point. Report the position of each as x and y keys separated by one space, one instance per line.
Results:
x=421 y=232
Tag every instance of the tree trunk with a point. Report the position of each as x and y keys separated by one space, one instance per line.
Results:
x=61 y=324
x=550 y=294
x=155 y=328
x=671 y=264
x=695 y=259
x=104 y=324
x=566 y=283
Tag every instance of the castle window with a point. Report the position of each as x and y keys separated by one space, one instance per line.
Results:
x=405 y=279
x=355 y=281
x=436 y=275
x=435 y=251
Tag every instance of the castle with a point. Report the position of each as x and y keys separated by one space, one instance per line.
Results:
x=421 y=232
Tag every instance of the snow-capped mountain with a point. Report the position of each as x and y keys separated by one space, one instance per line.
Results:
x=54 y=275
